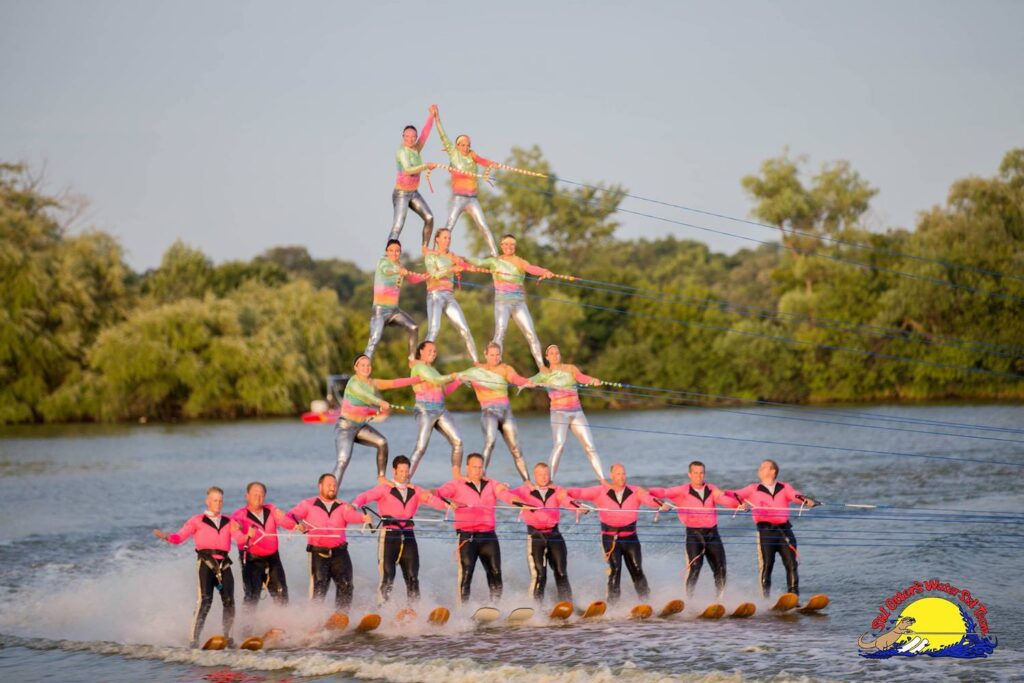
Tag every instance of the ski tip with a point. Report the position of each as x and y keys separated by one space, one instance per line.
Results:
x=486 y=615
x=672 y=607
x=439 y=616
x=404 y=615
x=595 y=609
x=713 y=611
x=254 y=643
x=368 y=623
x=817 y=602
x=520 y=615
x=562 y=610
x=786 y=601
x=217 y=642
x=337 y=622
x=641 y=612
x=744 y=610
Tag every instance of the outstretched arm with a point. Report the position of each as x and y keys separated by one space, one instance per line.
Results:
x=397 y=383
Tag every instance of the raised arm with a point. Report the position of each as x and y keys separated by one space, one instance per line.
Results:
x=445 y=142
x=425 y=133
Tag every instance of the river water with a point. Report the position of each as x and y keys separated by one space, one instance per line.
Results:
x=89 y=595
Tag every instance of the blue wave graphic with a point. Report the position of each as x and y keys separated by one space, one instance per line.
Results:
x=973 y=646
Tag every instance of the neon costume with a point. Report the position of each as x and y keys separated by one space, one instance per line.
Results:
x=474 y=525
x=212 y=534
x=360 y=403
x=774 y=532
x=431 y=414
x=464 y=187
x=544 y=543
x=261 y=562
x=441 y=299
x=697 y=512
x=567 y=413
x=397 y=506
x=387 y=282
x=491 y=387
x=618 y=515
x=406 y=194
x=328 y=549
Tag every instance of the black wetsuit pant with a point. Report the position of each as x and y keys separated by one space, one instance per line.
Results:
x=547 y=549
x=331 y=564
x=398 y=547
x=622 y=544
x=263 y=570
x=700 y=544
x=213 y=574
x=772 y=539
x=482 y=545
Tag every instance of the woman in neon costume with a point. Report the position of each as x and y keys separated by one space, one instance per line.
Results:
x=490 y=382
x=467 y=165
x=442 y=268
x=430 y=411
x=361 y=403
x=387 y=284
x=509 y=272
x=406 y=194
x=560 y=380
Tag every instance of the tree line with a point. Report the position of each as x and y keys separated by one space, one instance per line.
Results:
x=830 y=312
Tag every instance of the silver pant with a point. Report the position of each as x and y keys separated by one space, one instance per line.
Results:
x=494 y=419
x=347 y=434
x=517 y=310
x=561 y=422
x=404 y=201
x=382 y=316
x=442 y=302
x=426 y=422
x=460 y=203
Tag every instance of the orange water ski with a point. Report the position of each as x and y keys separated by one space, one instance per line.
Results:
x=216 y=643
x=745 y=609
x=641 y=612
x=368 y=623
x=595 y=609
x=253 y=643
x=337 y=622
x=671 y=607
x=439 y=616
x=562 y=611
x=713 y=611
x=786 y=602
x=404 y=615
x=817 y=602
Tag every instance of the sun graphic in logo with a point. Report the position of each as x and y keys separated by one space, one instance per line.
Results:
x=938 y=623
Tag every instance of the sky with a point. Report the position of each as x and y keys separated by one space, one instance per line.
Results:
x=239 y=126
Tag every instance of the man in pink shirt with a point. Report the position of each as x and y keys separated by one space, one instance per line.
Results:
x=770 y=499
x=475 y=499
x=261 y=563
x=618 y=506
x=396 y=506
x=323 y=518
x=696 y=503
x=212 y=533
x=544 y=543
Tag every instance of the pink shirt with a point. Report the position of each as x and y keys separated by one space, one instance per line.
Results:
x=264 y=541
x=696 y=512
x=549 y=503
x=476 y=511
x=326 y=520
x=209 y=534
x=767 y=506
x=390 y=503
x=611 y=511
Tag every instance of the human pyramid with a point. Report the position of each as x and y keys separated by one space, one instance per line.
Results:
x=473 y=497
